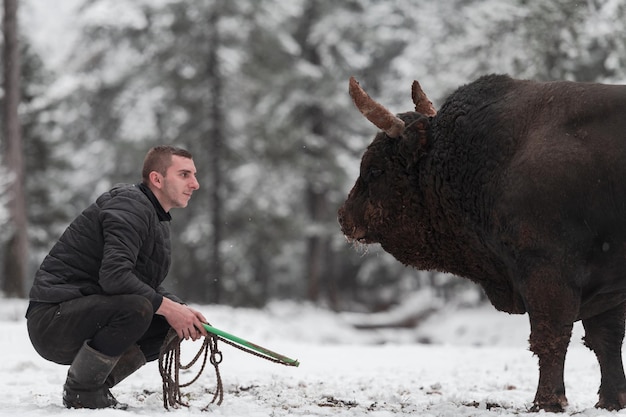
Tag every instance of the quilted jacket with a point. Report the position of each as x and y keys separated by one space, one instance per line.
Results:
x=118 y=245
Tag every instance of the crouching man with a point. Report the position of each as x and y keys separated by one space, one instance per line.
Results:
x=97 y=303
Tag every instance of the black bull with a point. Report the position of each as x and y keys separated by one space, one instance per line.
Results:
x=520 y=187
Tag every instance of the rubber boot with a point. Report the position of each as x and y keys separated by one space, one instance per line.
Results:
x=129 y=362
x=85 y=384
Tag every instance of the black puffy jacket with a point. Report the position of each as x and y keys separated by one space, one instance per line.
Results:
x=118 y=245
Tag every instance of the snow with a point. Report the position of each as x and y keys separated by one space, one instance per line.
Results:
x=51 y=28
x=478 y=365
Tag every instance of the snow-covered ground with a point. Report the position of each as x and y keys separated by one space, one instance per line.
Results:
x=478 y=364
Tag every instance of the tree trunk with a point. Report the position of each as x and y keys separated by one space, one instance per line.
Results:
x=315 y=244
x=16 y=252
x=316 y=269
x=319 y=253
x=215 y=146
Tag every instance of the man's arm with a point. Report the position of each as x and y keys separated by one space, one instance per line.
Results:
x=186 y=321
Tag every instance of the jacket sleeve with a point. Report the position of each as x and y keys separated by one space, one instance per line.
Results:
x=171 y=296
x=125 y=228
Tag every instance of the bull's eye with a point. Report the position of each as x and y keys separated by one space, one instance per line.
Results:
x=374 y=173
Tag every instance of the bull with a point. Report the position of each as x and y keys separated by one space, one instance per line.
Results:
x=518 y=186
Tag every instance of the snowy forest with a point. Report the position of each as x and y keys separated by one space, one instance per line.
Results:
x=257 y=91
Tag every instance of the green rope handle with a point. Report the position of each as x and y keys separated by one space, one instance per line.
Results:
x=281 y=358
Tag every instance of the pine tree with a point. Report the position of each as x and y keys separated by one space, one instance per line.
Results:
x=16 y=250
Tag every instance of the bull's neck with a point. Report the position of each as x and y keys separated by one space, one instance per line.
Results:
x=457 y=218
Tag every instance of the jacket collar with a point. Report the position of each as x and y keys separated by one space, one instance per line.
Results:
x=163 y=216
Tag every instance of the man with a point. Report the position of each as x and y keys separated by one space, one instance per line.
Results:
x=97 y=303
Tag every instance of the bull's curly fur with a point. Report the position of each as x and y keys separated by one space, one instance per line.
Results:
x=518 y=186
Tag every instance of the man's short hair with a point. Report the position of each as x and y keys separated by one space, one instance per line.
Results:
x=159 y=159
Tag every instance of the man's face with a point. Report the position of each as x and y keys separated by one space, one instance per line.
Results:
x=178 y=183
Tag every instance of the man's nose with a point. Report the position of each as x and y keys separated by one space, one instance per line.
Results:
x=195 y=184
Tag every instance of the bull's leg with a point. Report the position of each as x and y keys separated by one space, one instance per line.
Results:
x=604 y=334
x=552 y=307
x=549 y=341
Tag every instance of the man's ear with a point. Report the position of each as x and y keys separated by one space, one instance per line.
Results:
x=156 y=179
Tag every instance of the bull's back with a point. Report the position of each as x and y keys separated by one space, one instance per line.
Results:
x=566 y=184
x=571 y=158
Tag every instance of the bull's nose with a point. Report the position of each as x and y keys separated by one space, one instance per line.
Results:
x=340 y=215
x=345 y=223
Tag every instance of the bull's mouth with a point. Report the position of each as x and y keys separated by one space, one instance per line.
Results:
x=359 y=241
x=358 y=235
x=362 y=240
x=353 y=232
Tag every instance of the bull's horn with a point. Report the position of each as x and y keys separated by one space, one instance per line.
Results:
x=422 y=103
x=376 y=113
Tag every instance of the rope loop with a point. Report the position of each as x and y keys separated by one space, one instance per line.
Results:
x=216 y=358
x=170 y=366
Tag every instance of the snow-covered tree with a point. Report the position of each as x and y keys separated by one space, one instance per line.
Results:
x=257 y=90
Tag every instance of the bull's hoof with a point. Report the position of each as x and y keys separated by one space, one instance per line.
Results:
x=608 y=405
x=548 y=408
x=612 y=402
x=553 y=404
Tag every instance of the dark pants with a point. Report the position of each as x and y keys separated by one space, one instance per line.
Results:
x=112 y=323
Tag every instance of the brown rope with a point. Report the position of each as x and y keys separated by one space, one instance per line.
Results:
x=170 y=366
x=252 y=352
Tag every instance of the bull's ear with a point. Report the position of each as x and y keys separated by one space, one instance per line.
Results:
x=417 y=135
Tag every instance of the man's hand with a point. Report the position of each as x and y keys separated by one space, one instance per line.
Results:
x=186 y=321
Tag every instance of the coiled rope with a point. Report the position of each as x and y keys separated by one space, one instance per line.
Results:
x=170 y=367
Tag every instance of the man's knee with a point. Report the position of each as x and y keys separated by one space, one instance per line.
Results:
x=129 y=316
x=136 y=309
